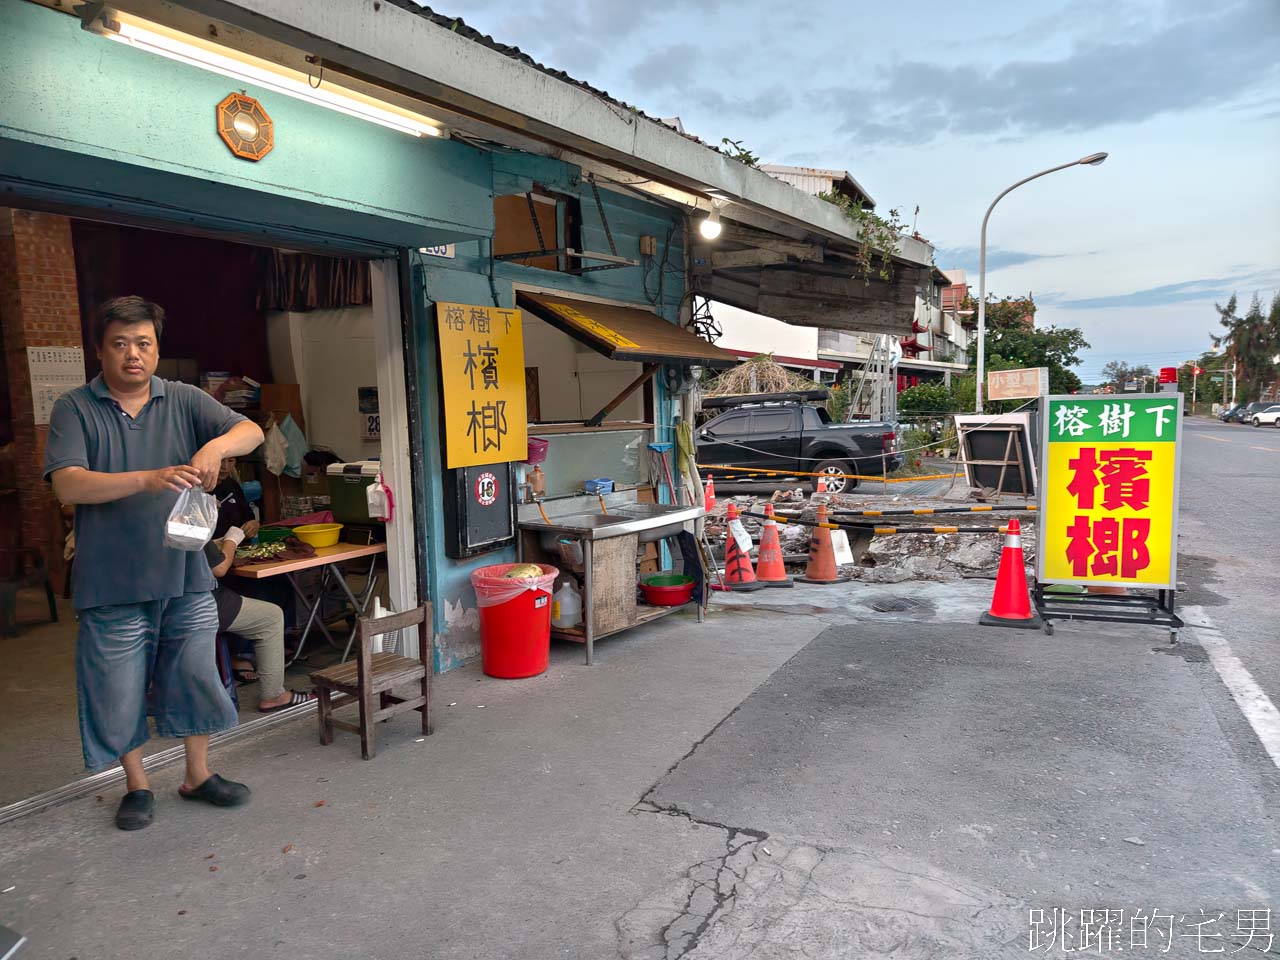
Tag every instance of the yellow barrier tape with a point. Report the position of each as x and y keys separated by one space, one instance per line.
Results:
x=847 y=476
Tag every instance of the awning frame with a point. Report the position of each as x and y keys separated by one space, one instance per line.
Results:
x=527 y=300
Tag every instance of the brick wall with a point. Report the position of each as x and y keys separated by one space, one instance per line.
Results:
x=39 y=307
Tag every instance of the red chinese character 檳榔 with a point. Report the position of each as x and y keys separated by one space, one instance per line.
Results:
x=1084 y=477
x=1108 y=546
x=1124 y=479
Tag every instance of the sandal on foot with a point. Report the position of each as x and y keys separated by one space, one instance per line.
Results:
x=246 y=677
x=217 y=791
x=137 y=810
x=296 y=699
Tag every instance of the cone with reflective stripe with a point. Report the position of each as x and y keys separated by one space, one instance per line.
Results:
x=709 y=494
x=769 y=567
x=1011 y=604
x=738 y=574
x=822 y=555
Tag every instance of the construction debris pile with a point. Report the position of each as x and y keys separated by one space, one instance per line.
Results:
x=884 y=558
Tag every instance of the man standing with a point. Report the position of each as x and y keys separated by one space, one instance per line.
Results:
x=121 y=449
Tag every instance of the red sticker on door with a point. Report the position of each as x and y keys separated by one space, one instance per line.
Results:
x=486 y=489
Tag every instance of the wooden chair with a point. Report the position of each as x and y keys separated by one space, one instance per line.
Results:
x=372 y=675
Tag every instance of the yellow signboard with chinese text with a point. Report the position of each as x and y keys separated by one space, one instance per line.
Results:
x=1109 y=490
x=482 y=383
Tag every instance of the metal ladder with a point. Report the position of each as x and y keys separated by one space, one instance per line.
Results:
x=877 y=394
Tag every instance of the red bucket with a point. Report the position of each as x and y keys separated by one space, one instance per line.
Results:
x=515 y=621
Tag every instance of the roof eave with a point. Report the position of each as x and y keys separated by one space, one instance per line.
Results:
x=411 y=52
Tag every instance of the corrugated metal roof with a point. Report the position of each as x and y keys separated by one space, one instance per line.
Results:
x=460 y=27
x=817 y=180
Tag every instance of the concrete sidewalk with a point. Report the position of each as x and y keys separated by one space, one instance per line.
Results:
x=796 y=781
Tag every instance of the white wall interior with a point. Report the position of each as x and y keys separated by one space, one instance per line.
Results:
x=330 y=353
x=574 y=381
x=744 y=330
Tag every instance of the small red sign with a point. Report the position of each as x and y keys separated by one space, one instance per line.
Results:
x=1168 y=374
x=486 y=489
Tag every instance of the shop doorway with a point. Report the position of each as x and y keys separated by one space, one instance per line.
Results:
x=307 y=344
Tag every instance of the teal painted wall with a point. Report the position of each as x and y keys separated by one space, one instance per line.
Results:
x=80 y=112
x=466 y=279
x=88 y=121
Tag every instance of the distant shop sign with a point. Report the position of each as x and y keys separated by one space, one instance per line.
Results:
x=1017 y=384
x=1109 y=511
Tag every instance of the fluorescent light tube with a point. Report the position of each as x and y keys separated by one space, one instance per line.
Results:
x=262 y=73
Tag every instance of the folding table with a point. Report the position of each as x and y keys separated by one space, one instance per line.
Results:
x=330 y=559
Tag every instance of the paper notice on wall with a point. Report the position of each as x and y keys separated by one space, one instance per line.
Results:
x=53 y=371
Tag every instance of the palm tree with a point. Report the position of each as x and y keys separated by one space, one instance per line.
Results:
x=1251 y=342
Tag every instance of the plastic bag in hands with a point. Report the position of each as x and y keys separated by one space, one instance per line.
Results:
x=191 y=521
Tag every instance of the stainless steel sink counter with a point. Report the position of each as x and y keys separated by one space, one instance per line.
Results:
x=651 y=521
x=607 y=534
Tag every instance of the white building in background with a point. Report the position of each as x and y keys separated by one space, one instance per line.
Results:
x=796 y=348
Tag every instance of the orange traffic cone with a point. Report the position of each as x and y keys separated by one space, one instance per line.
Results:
x=822 y=556
x=1011 y=605
x=769 y=568
x=709 y=494
x=821 y=485
x=738 y=574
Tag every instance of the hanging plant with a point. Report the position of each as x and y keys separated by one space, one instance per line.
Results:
x=879 y=237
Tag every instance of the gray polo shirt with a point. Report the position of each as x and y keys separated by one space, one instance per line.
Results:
x=120 y=552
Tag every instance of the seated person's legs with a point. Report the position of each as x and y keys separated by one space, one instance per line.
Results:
x=263 y=623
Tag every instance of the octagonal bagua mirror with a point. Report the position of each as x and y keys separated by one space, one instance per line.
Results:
x=245 y=127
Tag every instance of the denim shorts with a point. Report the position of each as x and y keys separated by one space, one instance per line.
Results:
x=157 y=657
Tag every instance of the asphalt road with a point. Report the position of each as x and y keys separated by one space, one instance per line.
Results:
x=1228 y=534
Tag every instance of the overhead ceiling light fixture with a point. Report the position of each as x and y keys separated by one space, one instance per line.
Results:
x=710 y=226
x=215 y=58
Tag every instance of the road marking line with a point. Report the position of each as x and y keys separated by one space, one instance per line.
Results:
x=1268 y=449
x=1206 y=436
x=1249 y=697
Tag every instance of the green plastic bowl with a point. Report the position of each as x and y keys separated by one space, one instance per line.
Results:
x=273 y=534
x=667 y=580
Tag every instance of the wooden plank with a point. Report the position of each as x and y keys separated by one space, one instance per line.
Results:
x=764 y=241
x=613 y=583
x=393 y=621
x=864 y=318
x=730 y=290
x=746 y=258
x=646 y=374
x=338 y=553
x=795 y=284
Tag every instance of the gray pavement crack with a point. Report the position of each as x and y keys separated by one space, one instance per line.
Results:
x=682 y=933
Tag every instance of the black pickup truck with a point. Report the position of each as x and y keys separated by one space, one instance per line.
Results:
x=783 y=434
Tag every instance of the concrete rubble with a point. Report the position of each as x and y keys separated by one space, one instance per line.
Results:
x=888 y=558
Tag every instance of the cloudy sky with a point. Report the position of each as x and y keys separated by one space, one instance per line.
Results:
x=931 y=108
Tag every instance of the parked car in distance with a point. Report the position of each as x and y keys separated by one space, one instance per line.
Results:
x=1227 y=414
x=1269 y=417
x=783 y=435
x=1246 y=413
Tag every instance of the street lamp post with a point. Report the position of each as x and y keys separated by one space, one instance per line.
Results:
x=1092 y=160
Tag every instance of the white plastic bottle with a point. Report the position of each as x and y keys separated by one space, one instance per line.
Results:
x=566 y=605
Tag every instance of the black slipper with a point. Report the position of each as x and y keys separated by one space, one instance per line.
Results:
x=137 y=810
x=296 y=699
x=219 y=792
